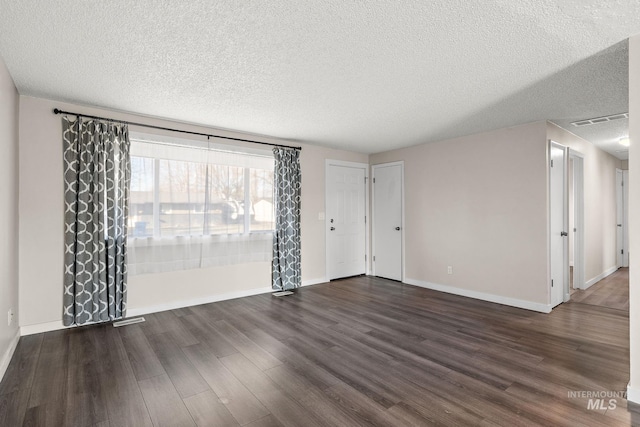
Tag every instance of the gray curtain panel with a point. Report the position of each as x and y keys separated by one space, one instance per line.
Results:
x=286 y=237
x=97 y=172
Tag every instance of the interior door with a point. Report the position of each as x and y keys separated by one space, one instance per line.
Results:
x=345 y=221
x=387 y=220
x=558 y=223
x=578 y=219
x=625 y=221
x=621 y=218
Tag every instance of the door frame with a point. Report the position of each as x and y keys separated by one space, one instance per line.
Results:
x=565 y=222
x=323 y=216
x=578 y=222
x=402 y=228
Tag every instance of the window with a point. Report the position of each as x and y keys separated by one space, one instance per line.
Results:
x=176 y=197
x=185 y=193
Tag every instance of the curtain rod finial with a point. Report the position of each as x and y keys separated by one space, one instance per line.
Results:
x=56 y=111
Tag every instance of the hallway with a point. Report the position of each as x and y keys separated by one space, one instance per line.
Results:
x=611 y=292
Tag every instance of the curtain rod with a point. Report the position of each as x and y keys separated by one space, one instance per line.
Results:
x=58 y=111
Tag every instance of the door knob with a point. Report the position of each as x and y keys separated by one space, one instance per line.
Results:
x=564 y=233
x=332 y=228
x=397 y=228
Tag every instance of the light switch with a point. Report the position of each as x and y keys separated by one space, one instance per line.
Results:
x=320 y=216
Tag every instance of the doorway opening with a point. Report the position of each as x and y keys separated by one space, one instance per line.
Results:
x=558 y=222
x=566 y=222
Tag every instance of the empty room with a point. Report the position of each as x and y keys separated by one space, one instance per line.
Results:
x=319 y=213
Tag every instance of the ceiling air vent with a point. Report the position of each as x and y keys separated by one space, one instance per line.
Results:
x=597 y=120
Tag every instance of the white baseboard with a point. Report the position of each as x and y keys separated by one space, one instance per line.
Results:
x=6 y=357
x=139 y=311
x=513 y=302
x=633 y=394
x=132 y=312
x=39 y=328
x=599 y=277
x=312 y=282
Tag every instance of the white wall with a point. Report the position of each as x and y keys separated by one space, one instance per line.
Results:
x=599 y=203
x=41 y=226
x=633 y=394
x=8 y=215
x=479 y=204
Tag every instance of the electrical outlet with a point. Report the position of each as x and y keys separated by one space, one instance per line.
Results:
x=10 y=317
x=449 y=270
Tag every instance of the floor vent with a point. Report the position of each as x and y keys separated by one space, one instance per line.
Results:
x=282 y=293
x=126 y=322
x=597 y=120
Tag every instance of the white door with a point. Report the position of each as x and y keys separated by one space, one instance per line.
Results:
x=345 y=221
x=621 y=218
x=387 y=220
x=625 y=222
x=557 y=223
x=577 y=229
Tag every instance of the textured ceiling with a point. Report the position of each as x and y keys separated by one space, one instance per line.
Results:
x=362 y=75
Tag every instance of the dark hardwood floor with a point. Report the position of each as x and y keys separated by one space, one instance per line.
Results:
x=355 y=352
x=612 y=291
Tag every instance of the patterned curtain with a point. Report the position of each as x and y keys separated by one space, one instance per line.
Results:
x=96 y=181
x=286 y=237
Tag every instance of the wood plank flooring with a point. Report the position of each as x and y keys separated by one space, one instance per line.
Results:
x=356 y=352
x=612 y=291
